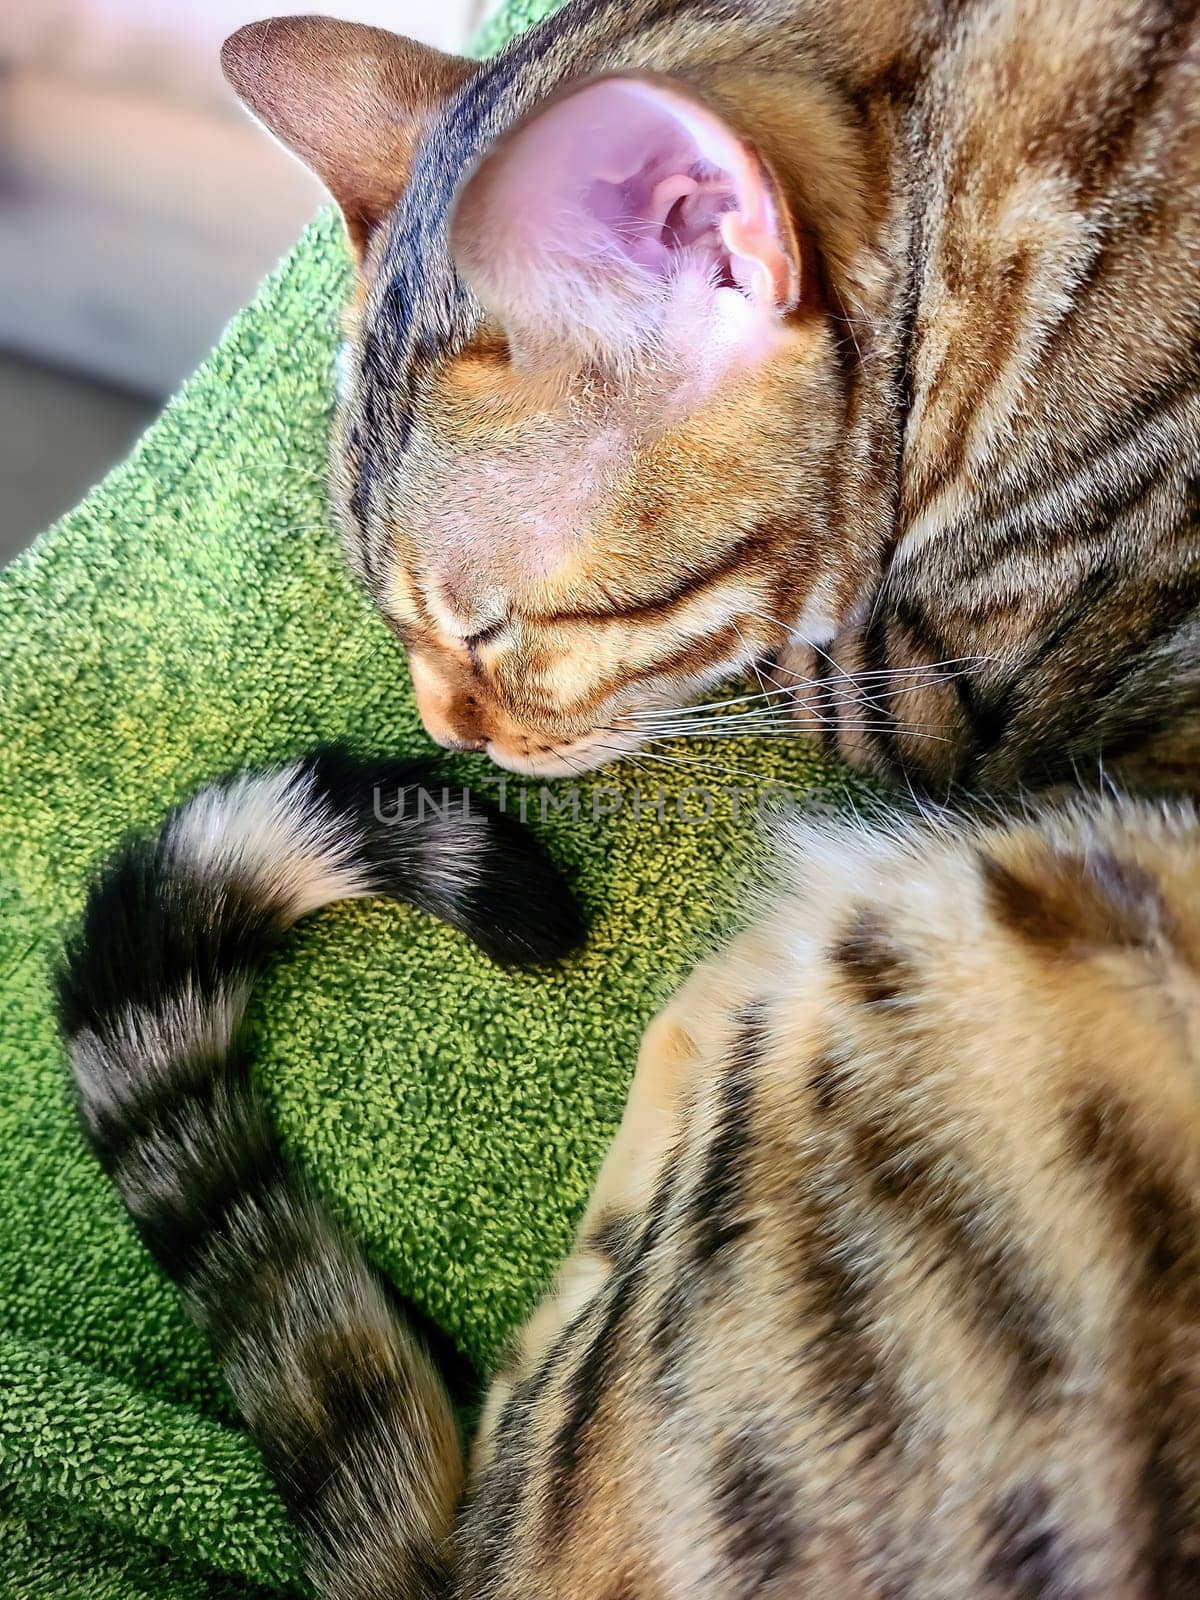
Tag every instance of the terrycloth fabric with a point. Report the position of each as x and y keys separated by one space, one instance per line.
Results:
x=193 y=614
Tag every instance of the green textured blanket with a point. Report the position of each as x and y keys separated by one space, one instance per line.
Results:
x=192 y=615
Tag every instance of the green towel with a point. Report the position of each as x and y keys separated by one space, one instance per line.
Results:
x=193 y=614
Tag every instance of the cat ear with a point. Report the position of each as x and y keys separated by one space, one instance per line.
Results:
x=350 y=101
x=589 y=218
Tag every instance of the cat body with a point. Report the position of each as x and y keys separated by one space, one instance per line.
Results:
x=862 y=338
x=888 y=1285
x=905 y=403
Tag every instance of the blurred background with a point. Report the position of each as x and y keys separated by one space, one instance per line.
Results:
x=139 y=208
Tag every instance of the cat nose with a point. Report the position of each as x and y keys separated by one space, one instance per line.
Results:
x=457 y=724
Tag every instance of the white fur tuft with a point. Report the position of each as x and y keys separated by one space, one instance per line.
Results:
x=271 y=833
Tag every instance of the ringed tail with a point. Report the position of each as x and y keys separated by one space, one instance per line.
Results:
x=336 y=1384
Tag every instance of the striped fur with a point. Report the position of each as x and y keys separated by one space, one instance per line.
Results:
x=975 y=441
x=334 y=1380
x=888 y=1286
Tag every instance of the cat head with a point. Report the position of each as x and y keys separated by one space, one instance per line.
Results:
x=589 y=408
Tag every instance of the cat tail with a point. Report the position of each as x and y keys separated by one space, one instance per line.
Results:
x=337 y=1386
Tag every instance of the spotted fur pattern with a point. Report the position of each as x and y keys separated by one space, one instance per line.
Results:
x=889 y=1282
x=957 y=502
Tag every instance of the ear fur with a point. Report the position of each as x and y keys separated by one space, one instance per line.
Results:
x=615 y=199
x=349 y=100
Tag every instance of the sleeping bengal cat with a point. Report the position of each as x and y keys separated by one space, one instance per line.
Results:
x=690 y=334
x=859 y=337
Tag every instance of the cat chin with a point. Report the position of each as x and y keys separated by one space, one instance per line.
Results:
x=570 y=764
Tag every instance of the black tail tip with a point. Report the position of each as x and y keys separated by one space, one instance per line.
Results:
x=521 y=911
x=510 y=898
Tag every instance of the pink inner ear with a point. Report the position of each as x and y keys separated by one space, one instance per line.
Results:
x=623 y=186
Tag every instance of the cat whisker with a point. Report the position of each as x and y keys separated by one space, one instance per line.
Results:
x=753 y=659
x=774 y=718
x=793 y=633
x=627 y=753
x=676 y=760
x=872 y=684
x=771 y=707
x=810 y=644
x=855 y=725
x=708 y=705
x=699 y=727
x=848 y=323
x=779 y=710
x=965 y=664
x=775 y=701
